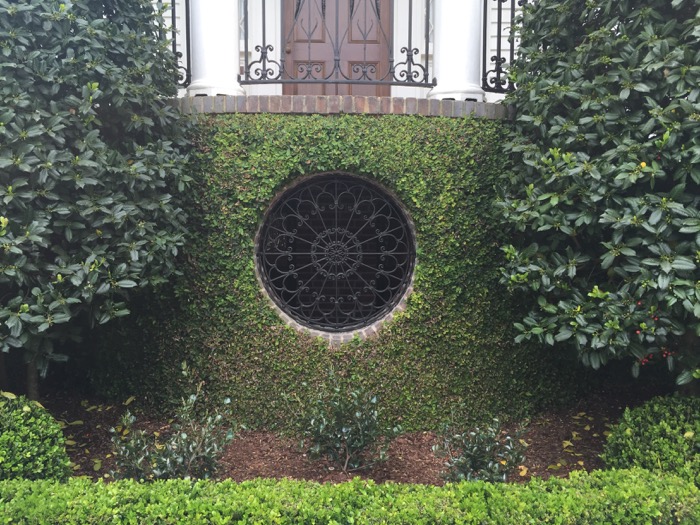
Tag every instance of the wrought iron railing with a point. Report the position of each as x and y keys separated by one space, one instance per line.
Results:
x=178 y=12
x=495 y=60
x=312 y=25
x=266 y=63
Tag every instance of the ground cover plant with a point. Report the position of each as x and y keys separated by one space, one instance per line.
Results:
x=91 y=156
x=605 y=188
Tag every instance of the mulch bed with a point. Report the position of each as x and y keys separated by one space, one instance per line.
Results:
x=558 y=442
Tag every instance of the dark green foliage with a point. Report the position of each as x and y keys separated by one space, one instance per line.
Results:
x=661 y=435
x=191 y=450
x=484 y=453
x=90 y=151
x=343 y=424
x=635 y=497
x=453 y=343
x=606 y=183
x=31 y=441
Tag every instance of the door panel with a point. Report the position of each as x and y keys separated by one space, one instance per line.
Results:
x=338 y=41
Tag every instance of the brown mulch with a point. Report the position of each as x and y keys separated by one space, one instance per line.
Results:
x=558 y=442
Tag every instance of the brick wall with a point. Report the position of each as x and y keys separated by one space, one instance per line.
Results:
x=336 y=104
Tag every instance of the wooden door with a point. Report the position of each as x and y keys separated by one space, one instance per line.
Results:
x=337 y=40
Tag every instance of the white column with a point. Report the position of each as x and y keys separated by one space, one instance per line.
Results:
x=457 y=49
x=215 y=47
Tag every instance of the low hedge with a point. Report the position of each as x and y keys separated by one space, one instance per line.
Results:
x=610 y=497
x=662 y=435
x=32 y=445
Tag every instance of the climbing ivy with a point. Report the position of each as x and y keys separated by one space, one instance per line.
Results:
x=454 y=342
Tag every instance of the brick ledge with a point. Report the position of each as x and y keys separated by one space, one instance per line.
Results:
x=337 y=104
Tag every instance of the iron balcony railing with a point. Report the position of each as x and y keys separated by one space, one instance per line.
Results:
x=177 y=15
x=318 y=36
x=495 y=59
x=312 y=25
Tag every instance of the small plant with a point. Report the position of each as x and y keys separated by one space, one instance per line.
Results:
x=343 y=424
x=192 y=450
x=32 y=445
x=661 y=435
x=484 y=453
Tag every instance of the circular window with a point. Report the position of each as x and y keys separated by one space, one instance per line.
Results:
x=336 y=253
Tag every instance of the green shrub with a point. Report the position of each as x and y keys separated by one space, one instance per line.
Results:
x=192 y=450
x=614 y=497
x=343 y=424
x=92 y=160
x=31 y=441
x=484 y=453
x=605 y=188
x=623 y=497
x=663 y=435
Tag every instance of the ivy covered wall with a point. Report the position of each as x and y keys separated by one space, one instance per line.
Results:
x=452 y=346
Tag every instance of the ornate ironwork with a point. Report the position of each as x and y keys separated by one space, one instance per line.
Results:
x=336 y=253
x=265 y=64
x=495 y=79
x=179 y=37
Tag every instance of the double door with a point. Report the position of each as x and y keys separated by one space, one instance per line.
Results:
x=339 y=41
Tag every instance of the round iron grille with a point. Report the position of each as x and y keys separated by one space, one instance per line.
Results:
x=336 y=253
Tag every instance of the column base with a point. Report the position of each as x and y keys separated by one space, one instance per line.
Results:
x=210 y=89
x=471 y=92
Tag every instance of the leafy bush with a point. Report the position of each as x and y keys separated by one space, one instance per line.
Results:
x=192 y=450
x=484 y=453
x=343 y=424
x=661 y=435
x=92 y=154
x=635 y=497
x=32 y=445
x=606 y=191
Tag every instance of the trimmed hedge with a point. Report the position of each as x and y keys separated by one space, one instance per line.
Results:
x=661 y=435
x=32 y=445
x=453 y=344
x=615 y=497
